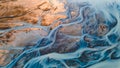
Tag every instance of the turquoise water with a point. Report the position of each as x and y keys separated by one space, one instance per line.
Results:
x=97 y=44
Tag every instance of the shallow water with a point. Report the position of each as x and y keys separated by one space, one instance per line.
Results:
x=95 y=44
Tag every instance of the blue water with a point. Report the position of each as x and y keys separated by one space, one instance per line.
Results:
x=97 y=44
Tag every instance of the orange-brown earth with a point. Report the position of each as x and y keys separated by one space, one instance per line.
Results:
x=13 y=12
x=30 y=11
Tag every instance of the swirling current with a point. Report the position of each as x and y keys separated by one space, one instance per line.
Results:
x=95 y=38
